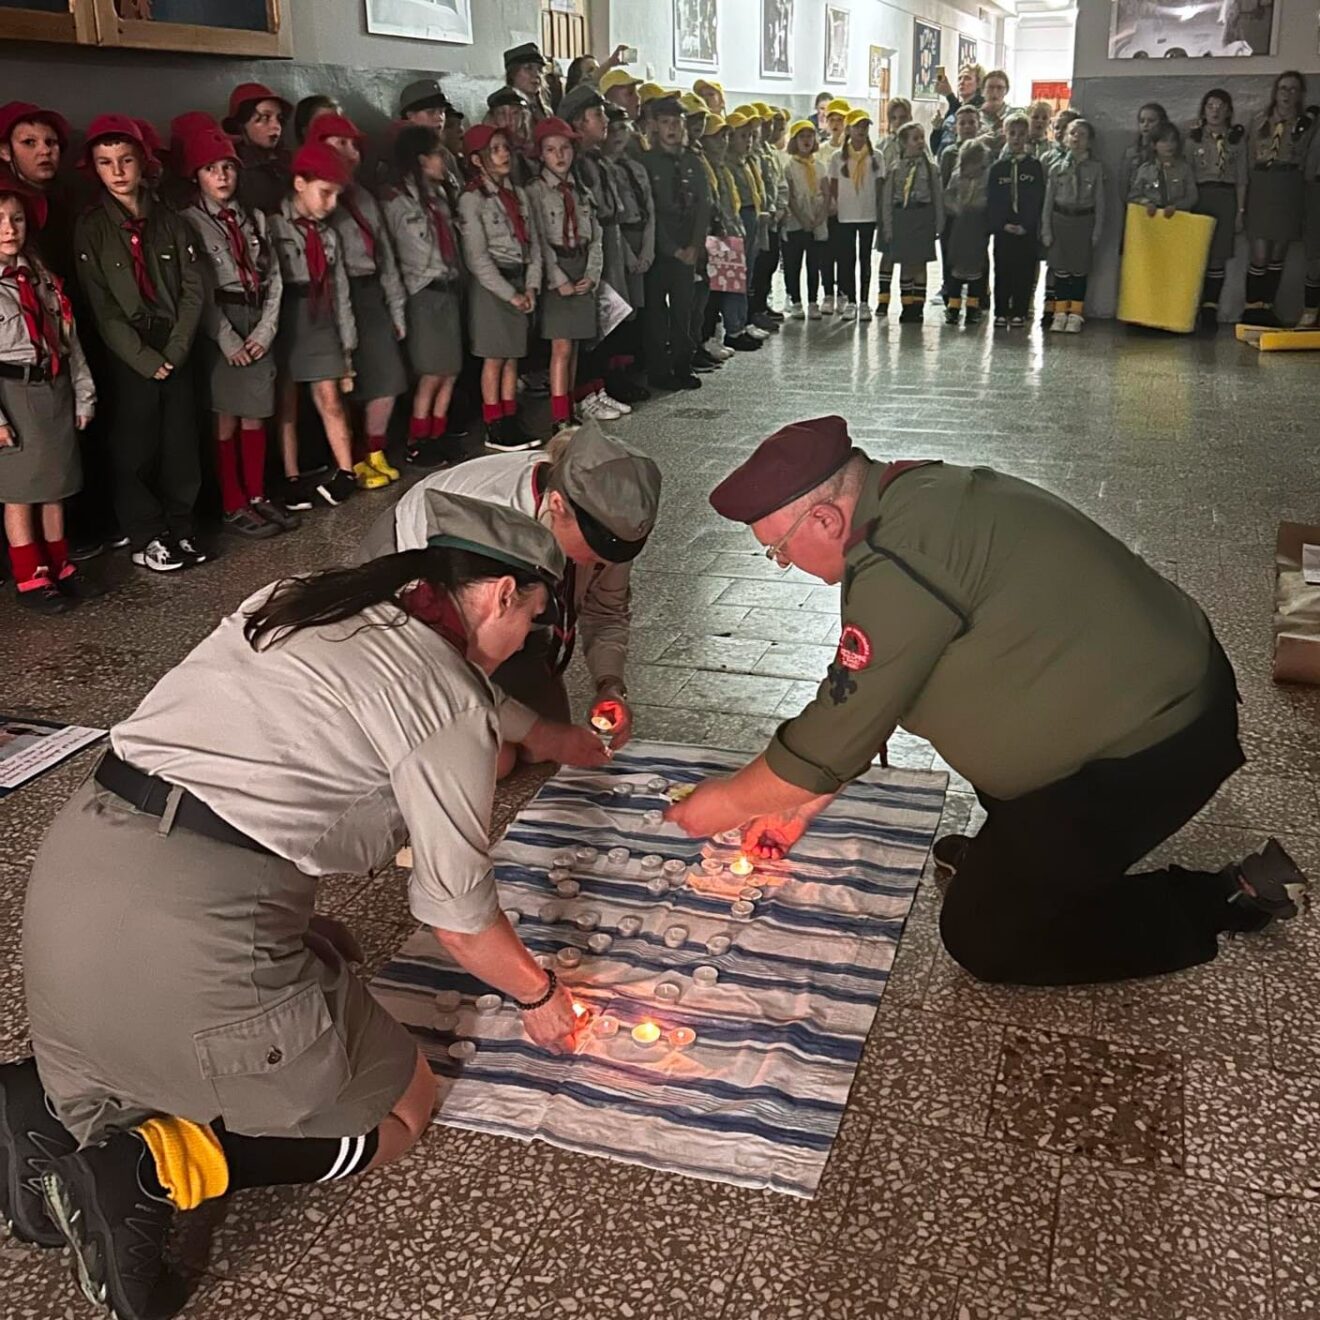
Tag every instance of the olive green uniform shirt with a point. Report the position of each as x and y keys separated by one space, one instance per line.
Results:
x=1007 y=628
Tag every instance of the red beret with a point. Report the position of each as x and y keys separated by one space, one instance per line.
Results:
x=122 y=126
x=784 y=467
x=317 y=161
x=478 y=137
x=252 y=92
x=328 y=126
x=33 y=202
x=203 y=145
x=554 y=127
x=25 y=112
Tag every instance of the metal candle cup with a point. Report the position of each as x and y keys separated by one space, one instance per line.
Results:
x=646 y=1033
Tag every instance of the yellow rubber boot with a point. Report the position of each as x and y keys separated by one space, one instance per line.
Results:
x=378 y=461
x=368 y=478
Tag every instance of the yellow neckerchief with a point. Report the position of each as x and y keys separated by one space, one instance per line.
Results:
x=809 y=168
x=1276 y=141
x=735 y=197
x=710 y=174
x=753 y=175
x=859 y=164
x=911 y=178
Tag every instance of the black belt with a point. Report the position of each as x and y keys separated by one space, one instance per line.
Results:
x=633 y=226
x=569 y=251
x=1277 y=165
x=152 y=796
x=1216 y=183
x=1073 y=210
x=32 y=373
x=446 y=284
x=228 y=298
x=357 y=281
x=512 y=272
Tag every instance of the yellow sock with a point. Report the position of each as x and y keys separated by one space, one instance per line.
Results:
x=190 y=1163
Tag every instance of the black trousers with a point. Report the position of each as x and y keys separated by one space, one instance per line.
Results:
x=798 y=243
x=828 y=258
x=855 y=241
x=670 y=292
x=704 y=311
x=154 y=453
x=763 y=274
x=1043 y=896
x=1015 y=273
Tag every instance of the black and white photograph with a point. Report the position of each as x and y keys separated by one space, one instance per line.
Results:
x=1168 y=30
x=422 y=20
x=969 y=51
x=838 y=31
x=777 y=38
x=29 y=747
x=696 y=34
x=925 y=58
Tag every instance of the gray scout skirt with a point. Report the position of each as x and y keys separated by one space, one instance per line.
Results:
x=913 y=242
x=569 y=318
x=1313 y=220
x=968 y=257
x=241 y=391
x=1219 y=200
x=635 y=291
x=308 y=347
x=435 y=331
x=497 y=328
x=1071 y=250
x=167 y=974
x=378 y=370
x=1274 y=205
x=42 y=467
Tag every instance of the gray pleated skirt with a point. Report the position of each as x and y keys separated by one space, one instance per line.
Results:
x=43 y=467
x=435 y=332
x=240 y=391
x=636 y=289
x=1220 y=201
x=968 y=257
x=1274 y=205
x=378 y=370
x=497 y=328
x=1313 y=220
x=913 y=242
x=1071 y=251
x=569 y=318
x=309 y=347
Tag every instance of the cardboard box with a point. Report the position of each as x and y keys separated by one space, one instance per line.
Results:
x=1296 y=607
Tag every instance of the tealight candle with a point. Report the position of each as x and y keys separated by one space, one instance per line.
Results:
x=668 y=991
x=681 y=1037
x=676 y=937
x=622 y=790
x=447 y=1000
x=618 y=856
x=718 y=944
x=712 y=865
x=568 y=889
x=586 y=854
x=751 y=893
x=462 y=1049
x=656 y=784
x=652 y=862
x=742 y=908
x=646 y=1033
x=602 y=724
x=657 y=885
x=705 y=975
x=607 y=1026
x=587 y=920
x=549 y=912
x=569 y=956
x=544 y=960
x=674 y=866
x=629 y=926
x=653 y=819
x=562 y=861
x=731 y=838
x=599 y=942
x=488 y=1003
x=741 y=865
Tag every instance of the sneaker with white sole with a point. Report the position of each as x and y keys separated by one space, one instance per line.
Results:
x=850 y=311
x=864 y=312
x=814 y=312
x=1310 y=318
x=623 y=409
x=594 y=407
x=336 y=487
x=715 y=347
x=827 y=304
x=1060 y=322
x=756 y=332
x=192 y=554
x=796 y=312
x=158 y=556
x=1075 y=323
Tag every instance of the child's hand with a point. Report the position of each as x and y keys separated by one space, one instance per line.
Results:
x=346 y=384
x=1170 y=212
x=6 y=436
x=567 y=289
x=82 y=421
x=1151 y=209
x=1015 y=229
x=163 y=371
x=255 y=350
x=240 y=358
x=585 y=285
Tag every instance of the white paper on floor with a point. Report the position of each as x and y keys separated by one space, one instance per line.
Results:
x=779 y=986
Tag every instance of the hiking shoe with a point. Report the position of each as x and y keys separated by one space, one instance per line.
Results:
x=1269 y=883
x=948 y=854
x=116 y=1228
x=296 y=493
x=159 y=557
x=337 y=487
x=31 y=1137
x=427 y=454
x=249 y=525
x=276 y=514
x=191 y=552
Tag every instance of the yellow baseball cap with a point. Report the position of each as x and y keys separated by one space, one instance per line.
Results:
x=613 y=78
x=765 y=111
x=649 y=91
x=692 y=104
x=714 y=124
x=748 y=112
x=858 y=117
x=708 y=82
x=798 y=125
x=737 y=120
x=838 y=107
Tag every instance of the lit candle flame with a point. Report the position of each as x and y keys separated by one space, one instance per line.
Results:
x=646 y=1033
x=579 y=1009
x=741 y=865
x=602 y=723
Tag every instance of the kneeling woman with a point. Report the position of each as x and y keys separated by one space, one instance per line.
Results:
x=195 y=1026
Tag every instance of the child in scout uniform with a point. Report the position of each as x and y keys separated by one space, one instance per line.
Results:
x=632 y=184
x=967 y=251
x=727 y=305
x=1150 y=117
x=744 y=130
x=379 y=302
x=1016 y=197
x=46 y=397
x=1277 y=141
x=139 y=268
x=256 y=123
x=1217 y=153
x=775 y=187
x=856 y=178
x=1048 y=158
x=241 y=319
x=318 y=333
x=912 y=212
x=1039 y=114
x=805 y=230
x=571 y=256
x=888 y=148
x=33 y=141
x=426 y=240
x=1072 y=219
x=502 y=252
x=1166 y=182
x=966 y=126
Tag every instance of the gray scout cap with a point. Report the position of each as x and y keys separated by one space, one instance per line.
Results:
x=459 y=522
x=614 y=491
x=582 y=98
x=425 y=91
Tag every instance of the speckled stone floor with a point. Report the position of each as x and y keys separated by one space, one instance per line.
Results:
x=1142 y=1151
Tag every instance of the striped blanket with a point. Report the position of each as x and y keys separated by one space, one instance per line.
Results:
x=776 y=974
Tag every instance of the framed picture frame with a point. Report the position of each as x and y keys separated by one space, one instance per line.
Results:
x=1168 y=30
x=696 y=34
x=72 y=21
x=926 y=43
x=206 y=27
x=838 y=35
x=777 y=38
x=969 y=52
x=425 y=20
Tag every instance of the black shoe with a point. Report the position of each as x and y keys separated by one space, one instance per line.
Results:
x=625 y=389
x=974 y=316
x=688 y=381
x=337 y=488
x=191 y=552
x=296 y=494
x=767 y=323
x=665 y=384
x=45 y=599
x=428 y=454
x=912 y=313
x=702 y=361
x=276 y=514
x=78 y=586
x=159 y=556
x=116 y=1228
x=950 y=316
x=249 y=525
x=30 y=1138
x=1207 y=319
x=743 y=343
x=85 y=548
x=777 y=317
x=948 y=853
x=1268 y=886
x=118 y=542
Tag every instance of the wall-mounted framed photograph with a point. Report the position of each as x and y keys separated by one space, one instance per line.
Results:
x=48 y=20
x=1170 y=30
x=696 y=34
x=777 y=38
x=969 y=52
x=207 y=27
x=838 y=34
x=422 y=20
x=926 y=40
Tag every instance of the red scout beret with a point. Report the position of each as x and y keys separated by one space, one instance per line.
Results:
x=250 y=94
x=328 y=126
x=121 y=126
x=784 y=467
x=203 y=145
x=317 y=161
x=478 y=137
x=554 y=127
x=33 y=202
x=25 y=112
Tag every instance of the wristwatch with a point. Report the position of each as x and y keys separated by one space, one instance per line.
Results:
x=552 y=984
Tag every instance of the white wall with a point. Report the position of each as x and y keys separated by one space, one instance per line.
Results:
x=1044 y=51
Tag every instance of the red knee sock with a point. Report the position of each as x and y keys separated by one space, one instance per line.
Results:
x=57 y=557
x=491 y=412
x=26 y=561
x=419 y=428
x=231 y=491
x=509 y=408
x=252 y=442
x=561 y=407
x=376 y=444
x=439 y=425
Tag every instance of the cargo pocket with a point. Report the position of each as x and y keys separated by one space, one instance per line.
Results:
x=272 y=1072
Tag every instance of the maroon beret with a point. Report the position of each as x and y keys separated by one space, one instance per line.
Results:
x=784 y=467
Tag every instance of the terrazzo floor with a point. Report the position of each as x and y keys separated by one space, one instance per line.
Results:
x=1145 y=1151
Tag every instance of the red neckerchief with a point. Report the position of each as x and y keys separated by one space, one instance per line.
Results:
x=437 y=610
x=572 y=235
x=892 y=471
x=444 y=232
x=512 y=208
x=247 y=272
x=135 y=227
x=368 y=234
x=565 y=631
x=318 y=266
x=42 y=331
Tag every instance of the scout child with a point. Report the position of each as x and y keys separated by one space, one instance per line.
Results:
x=256 y=122
x=1016 y=197
x=619 y=88
x=33 y=141
x=1048 y=158
x=966 y=126
x=744 y=135
x=632 y=184
x=571 y=256
x=241 y=318
x=1150 y=117
x=318 y=334
x=425 y=236
x=1165 y=183
x=912 y=212
x=502 y=252
x=46 y=397
x=1072 y=219
x=726 y=305
x=1039 y=114
x=805 y=230
x=770 y=137
x=1217 y=153
x=855 y=175
x=139 y=268
x=308 y=111
x=967 y=253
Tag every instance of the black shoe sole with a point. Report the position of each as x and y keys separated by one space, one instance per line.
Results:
x=89 y=1255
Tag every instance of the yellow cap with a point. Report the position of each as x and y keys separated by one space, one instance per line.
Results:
x=707 y=82
x=613 y=78
x=765 y=111
x=649 y=91
x=857 y=117
x=798 y=125
x=714 y=124
x=737 y=120
x=782 y=113
x=747 y=111
x=692 y=104
x=838 y=107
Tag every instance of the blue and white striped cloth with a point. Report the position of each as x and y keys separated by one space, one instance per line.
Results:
x=757 y=1099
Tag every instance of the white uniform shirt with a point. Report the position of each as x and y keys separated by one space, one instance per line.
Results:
x=332 y=747
x=857 y=206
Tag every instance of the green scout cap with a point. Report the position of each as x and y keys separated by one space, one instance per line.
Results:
x=459 y=522
x=614 y=491
x=425 y=91
x=582 y=98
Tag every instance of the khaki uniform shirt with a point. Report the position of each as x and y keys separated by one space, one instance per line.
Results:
x=1157 y=184
x=420 y=260
x=1215 y=158
x=333 y=747
x=637 y=213
x=491 y=246
x=911 y=181
x=682 y=201
x=1007 y=628
x=1270 y=143
x=291 y=249
x=1074 y=186
x=213 y=240
x=16 y=346
x=808 y=198
x=362 y=264
x=105 y=270
x=548 y=204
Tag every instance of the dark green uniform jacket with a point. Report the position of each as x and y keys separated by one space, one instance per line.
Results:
x=682 y=200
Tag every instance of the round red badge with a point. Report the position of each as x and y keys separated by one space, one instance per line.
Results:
x=854 y=648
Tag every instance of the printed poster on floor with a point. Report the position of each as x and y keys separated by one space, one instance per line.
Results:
x=776 y=38
x=422 y=20
x=838 y=32
x=1170 y=30
x=30 y=747
x=696 y=34
x=925 y=59
x=969 y=52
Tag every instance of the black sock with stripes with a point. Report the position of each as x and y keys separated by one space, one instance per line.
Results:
x=1255 y=285
x=1273 y=277
x=1212 y=288
x=1311 y=298
x=886 y=278
x=293 y=1161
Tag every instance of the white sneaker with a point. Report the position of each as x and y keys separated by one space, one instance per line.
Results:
x=795 y=312
x=594 y=406
x=1060 y=322
x=1075 y=323
x=715 y=347
x=813 y=312
x=756 y=332
x=158 y=557
x=827 y=304
x=1310 y=318
x=850 y=312
x=864 y=312
x=623 y=409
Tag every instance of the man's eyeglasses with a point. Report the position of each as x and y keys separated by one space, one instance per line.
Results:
x=774 y=553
